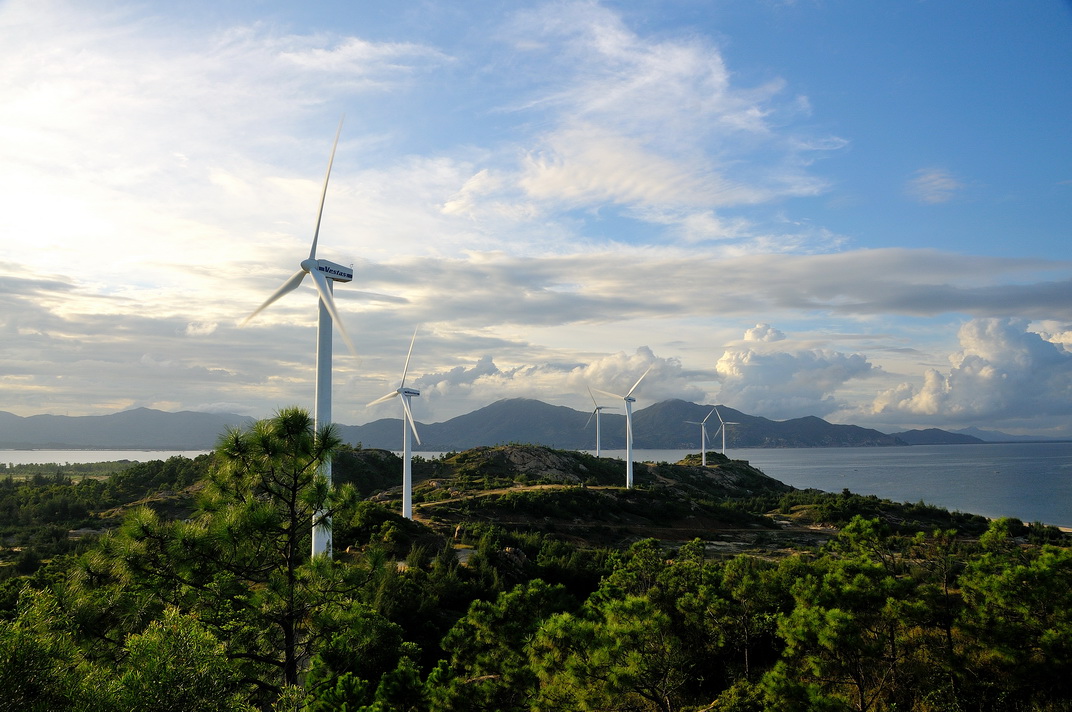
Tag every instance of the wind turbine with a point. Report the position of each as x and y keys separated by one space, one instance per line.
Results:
x=595 y=414
x=703 y=437
x=408 y=425
x=722 y=427
x=629 y=401
x=324 y=274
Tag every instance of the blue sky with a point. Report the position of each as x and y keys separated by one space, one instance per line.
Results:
x=853 y=210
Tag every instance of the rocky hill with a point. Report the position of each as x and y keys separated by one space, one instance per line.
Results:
x=582 y=498
x=578 y=496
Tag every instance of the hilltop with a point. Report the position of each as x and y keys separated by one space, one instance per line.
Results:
x=569 y=495
x=580 y=498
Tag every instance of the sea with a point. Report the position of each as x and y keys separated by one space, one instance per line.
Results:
x=1029 y=481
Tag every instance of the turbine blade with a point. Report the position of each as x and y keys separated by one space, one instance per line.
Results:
x=592 y=396
x=592 y=415
x=709 y=415
x=639 y=380
x=321 y=283
x=289 y=286
x=409 y=419
x=405 y=370
x=382 y=399
x=719 y=417
x=324 y=192
x=608 y=393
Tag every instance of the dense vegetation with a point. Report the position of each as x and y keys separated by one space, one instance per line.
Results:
x=492 y=601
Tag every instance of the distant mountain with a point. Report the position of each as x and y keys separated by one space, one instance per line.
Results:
x=139 y=428
x=996 y=436
x=515 y=420
x=661 y=426
x=934 y=436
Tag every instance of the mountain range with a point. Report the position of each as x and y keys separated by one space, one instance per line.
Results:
x=661 y=426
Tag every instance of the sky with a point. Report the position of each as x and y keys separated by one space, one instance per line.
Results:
x=857 y=211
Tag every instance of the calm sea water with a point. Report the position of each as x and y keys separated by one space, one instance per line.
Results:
x=1031 y=481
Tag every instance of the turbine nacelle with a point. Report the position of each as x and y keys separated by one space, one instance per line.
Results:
x=332 y=270
x=409 y=392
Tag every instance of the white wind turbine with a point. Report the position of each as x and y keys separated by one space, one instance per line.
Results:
x=595 y=414
x=324 y=273
x=408 y=426
x=629 y=401
x=703 y=437
x=722 y=427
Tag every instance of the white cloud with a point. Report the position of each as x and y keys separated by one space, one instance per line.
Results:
x=462 y=388
x=1001 y=371
x=772 y=378
x=933 y=186
x=200 y=328
x=764 y=332
x=654 y=124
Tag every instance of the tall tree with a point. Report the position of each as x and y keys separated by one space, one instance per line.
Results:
x=241 y=564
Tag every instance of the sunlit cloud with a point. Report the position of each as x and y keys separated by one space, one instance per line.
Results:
x=1001 y=371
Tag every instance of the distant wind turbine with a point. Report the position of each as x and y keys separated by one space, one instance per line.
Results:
x=324 y=274
x=703 y=437
x=722 y=427
x=629 y=401
x=408 y=425
x=595 y=414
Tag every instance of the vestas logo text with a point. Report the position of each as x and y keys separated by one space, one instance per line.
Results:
x=335 y=272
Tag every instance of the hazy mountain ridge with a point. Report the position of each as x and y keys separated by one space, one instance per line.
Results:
x=661 y=426
x=934 y=436
x=139 y=428
x=996 y=436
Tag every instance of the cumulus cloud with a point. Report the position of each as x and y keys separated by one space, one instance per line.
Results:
x=463 y=388
x=764 y=332
x=1056 y=332
x=1001 y=371
x=784 y=382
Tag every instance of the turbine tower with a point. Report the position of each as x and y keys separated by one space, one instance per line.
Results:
x=629 y=401
x=595 y=414
x=703 y=437
x=722 y=427
x=408 y=425
x=324 y=273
